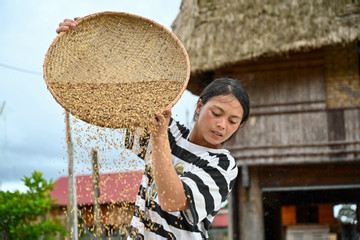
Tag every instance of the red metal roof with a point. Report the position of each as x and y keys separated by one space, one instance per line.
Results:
x=221 y=220
x=114 y=187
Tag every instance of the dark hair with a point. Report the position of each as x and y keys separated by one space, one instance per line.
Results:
x=227 y=86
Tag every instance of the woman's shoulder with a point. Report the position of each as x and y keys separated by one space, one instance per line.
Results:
x=222 y=155
x=223 y=162
x=178 y=129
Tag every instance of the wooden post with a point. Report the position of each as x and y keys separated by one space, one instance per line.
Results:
x=96 y=187
x=72 y=205
x=233 y=227
x=251 y=208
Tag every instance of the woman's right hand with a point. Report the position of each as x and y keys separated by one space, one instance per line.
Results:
x=66 y=25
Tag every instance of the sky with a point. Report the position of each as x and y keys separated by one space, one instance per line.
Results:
x=32 y=128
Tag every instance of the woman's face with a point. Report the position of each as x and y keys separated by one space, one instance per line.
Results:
x=218 y=119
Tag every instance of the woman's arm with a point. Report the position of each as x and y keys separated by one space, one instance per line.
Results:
x=169 y=187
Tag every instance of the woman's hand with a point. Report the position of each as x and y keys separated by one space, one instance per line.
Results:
x=66 y=25
x=161 y=123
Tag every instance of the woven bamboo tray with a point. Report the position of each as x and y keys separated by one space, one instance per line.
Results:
x=116 y=69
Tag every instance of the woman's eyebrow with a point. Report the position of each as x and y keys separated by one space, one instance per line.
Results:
x=220 y=108
x=235 y=116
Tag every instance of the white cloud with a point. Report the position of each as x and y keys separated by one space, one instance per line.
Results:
x=12 y=186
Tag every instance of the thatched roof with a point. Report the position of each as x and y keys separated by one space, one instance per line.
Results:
x=220 y=32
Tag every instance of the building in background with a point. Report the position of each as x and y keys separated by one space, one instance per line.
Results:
x=118 y=192
x=299 y=153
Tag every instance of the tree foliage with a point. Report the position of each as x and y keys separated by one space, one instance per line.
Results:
x=347 y=214
x=23 y=215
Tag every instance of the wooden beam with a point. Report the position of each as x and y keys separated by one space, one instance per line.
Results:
x=310 y=145
x=234 y=213
x=251 y=209
x=310 y=175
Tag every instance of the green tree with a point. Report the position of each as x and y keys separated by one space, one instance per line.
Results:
x=23 y=215
x=347 y=214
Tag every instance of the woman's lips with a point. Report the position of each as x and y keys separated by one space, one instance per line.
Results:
x=216 y=134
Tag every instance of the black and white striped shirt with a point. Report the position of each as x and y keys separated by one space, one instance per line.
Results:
x=207 y=174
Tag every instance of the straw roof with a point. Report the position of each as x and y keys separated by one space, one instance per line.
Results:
x=221 y=32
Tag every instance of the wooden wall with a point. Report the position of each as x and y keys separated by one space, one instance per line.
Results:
x=293 y=118
x=112 y=214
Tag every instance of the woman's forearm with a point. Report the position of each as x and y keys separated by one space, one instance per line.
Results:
x=169 y=187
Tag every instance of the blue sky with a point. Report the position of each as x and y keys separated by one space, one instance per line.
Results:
x=31 y=121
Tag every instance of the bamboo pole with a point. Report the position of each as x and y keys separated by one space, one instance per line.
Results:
x=72 y=205
x=96 y=187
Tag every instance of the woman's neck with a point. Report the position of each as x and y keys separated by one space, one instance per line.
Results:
x=196 y=138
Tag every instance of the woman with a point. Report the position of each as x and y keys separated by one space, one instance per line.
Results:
x=190 y=173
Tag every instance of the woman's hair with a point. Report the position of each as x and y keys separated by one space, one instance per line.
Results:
x=227 y=86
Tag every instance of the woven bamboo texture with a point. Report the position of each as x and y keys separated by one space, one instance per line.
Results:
x=116 y=69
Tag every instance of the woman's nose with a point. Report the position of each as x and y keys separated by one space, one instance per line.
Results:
x=221 y=123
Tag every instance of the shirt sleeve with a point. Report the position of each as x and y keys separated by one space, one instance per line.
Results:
x=206 y=189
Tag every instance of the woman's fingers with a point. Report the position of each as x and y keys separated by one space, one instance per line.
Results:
x=167 y=113
x=62 y=29
x=161 y=123
x=159 y=117
x=66 y=25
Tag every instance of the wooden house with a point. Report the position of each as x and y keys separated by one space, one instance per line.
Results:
x=299 y=153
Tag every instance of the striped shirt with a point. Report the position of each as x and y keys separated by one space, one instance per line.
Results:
x=208 y=176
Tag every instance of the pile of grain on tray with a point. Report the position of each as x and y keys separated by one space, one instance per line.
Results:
x=129 y=105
